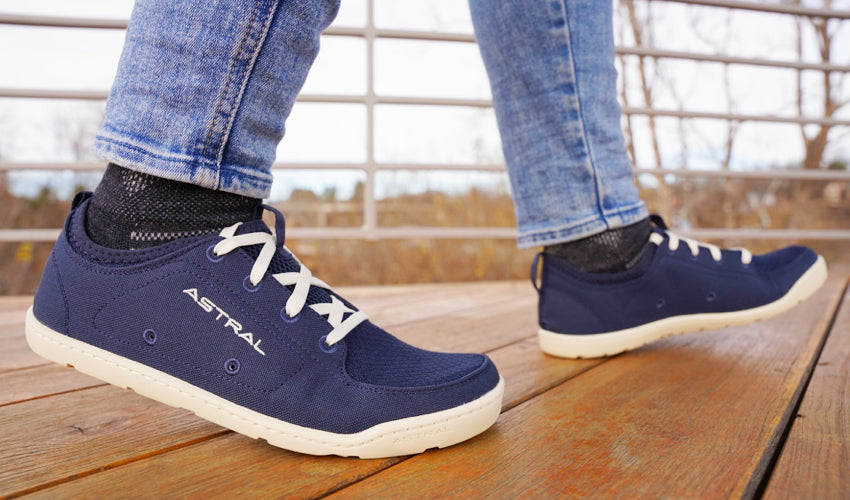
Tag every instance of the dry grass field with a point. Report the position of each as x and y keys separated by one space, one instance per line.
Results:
x=688 y=203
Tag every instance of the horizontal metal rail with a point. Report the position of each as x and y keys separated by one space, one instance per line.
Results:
x=61 y=22
x=470 y=233
x=102 y=23
x=442 y=101
x=723 y=59
x=39 y=21
x=774 y=8
x=735 y=117
x=784 y=174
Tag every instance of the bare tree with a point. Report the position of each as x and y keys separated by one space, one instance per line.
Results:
x=829 y=100
x=641 y=31
x=815 y=137
x=719 y=43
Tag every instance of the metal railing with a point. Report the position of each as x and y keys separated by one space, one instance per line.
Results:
x=370 y=228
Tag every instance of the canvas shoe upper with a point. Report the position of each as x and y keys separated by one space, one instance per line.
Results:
x=234 y=328
x=678 y=285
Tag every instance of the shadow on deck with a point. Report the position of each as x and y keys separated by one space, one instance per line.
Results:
x=737 y=412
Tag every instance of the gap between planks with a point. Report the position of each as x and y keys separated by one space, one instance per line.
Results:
x=675 y=419
x=815 y=459
x=487 y=310
x=520 y=360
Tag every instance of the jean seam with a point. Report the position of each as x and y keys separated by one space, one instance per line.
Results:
x=224 y=90
x=145 y=148
x=247 y=73
x=553 y=235
x=623 y=209
x=588 y=148
x=228 y=99
x=203 y=163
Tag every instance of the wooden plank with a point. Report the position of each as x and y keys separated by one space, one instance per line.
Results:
x=528 y=372
x=262 y=471
x=229 y=466
x=41 y=381
x=815 y=460
x=691 y=416
x=520 y=356
x=14 y=303
x=431 y=301
x=73 y=434
x=476 y=329
x=15 y=354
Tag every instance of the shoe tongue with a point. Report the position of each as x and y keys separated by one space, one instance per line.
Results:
x=282 y=261
x=253 y=226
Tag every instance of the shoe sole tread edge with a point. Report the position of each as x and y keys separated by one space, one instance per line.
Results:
x=405 y=436
x=610 y=343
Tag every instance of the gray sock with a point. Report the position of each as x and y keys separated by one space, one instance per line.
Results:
x=130 y=209
x=614 y=250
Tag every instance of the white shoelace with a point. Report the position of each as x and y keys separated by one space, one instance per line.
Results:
x=335 y=310
x=694 y=245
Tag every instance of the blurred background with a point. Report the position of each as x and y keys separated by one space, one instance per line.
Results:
x=736 y=114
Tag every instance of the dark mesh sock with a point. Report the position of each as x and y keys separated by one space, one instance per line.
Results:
x=134 y=210
x=612 y=251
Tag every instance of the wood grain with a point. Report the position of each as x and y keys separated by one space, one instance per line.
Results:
x=228 y=466
x=457 y=303
x=15 y=354
x=14 y=304
x=433 y=301
x=815 y=461
x=686 y=417
x=693 y=416
x=73 y=434
x=267 y=472
x=42 y=381
x=477 y=329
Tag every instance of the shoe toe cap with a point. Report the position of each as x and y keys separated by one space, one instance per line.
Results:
x=786 y=265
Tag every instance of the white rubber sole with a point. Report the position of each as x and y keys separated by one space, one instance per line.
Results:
x=608 y=344
x=405 y=436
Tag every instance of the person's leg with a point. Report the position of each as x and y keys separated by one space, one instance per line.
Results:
x=215 y=315
x=200 y=99
x=551 y=68
x=610 y=280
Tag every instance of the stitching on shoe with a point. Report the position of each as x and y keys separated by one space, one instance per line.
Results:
x=66 y=322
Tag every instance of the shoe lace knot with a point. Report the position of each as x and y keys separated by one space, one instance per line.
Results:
x=301 y=281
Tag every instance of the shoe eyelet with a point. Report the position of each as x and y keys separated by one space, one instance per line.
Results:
x=232 y=366
x=323 y=345
x=711 y=297
x=211 y=256
x=288 y=318
x=246 y=284
x=660 y=303
x=149 y=336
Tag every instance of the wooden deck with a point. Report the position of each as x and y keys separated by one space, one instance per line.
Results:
x=742 y=412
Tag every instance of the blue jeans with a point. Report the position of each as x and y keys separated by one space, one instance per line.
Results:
x=203 y=90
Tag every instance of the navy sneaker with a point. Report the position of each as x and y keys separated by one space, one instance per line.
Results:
x=677 y=285
x=233 y=328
